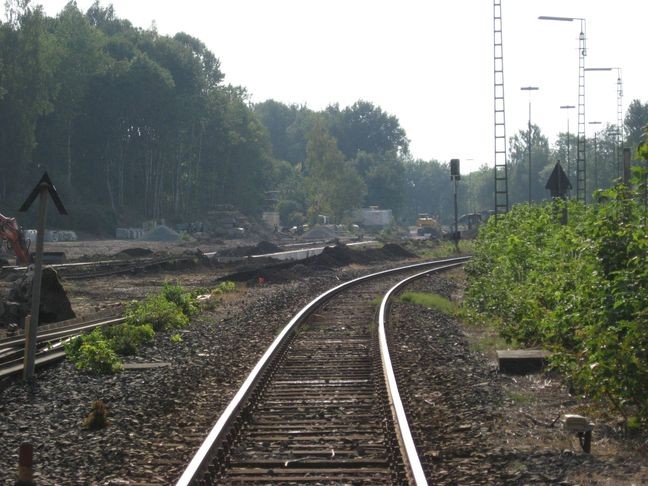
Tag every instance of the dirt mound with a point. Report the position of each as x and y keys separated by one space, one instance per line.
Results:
x=160 y=233
x=260 y=248
x=397 y=251
x=264 y=247
x=134 y=252
x=331 y=257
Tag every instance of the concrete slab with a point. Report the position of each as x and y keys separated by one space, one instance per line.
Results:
x=145 y=366
x=522 y=361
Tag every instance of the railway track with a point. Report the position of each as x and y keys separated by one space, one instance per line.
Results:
x=49 y=342
x=322 y=405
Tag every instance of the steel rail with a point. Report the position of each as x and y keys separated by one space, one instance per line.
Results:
x=217 y=435
x=412 y=461
x=61 y=332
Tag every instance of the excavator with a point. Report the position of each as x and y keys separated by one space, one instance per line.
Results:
x=13 y=235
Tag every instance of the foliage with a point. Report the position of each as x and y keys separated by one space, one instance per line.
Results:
x=431 y=301
x=157 y=311
x=333 y=184
x=97 y=352
x=93 y=354
x=175 y=293
x=579 y=289
x=227 y=286
x=126 y=339
x=176 y=338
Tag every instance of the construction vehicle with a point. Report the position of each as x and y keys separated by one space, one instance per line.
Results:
x=15 y=239
x=427 y=225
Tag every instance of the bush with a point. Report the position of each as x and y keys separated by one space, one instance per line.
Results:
x=579 y=289
x=92 y=353
x=157 y=311
x=126 y=339
x=175 y=294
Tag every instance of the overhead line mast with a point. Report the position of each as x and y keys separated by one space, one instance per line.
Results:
x=501 y=167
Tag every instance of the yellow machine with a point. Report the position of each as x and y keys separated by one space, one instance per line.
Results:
x=427 y=225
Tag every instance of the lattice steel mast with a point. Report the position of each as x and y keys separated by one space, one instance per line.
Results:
x=501 y=167
x=619 y=132
x=581 y=172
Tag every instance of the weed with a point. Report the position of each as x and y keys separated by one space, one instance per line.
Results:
x=176 y=338
x=431 y=301
x=97 y=418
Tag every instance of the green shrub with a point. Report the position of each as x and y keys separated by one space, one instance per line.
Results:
x=93 y=354
x=126 y=339
x=579 y=289
x=176 y=338
x=227 y=286
x=184 y=300
x=157 y=311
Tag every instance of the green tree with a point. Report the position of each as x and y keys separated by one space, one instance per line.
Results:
x=635 y=120
x=365 y=127
x=333 y=184
x=26 y=79
x=519 y=165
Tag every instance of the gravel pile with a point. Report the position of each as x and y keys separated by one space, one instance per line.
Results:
x=160 y=233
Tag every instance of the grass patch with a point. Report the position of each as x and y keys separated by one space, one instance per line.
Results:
x=431 y=301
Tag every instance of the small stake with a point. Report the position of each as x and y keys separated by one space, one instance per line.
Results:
x=25 y=461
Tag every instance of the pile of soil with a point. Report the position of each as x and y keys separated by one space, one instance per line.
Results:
x=261 y=248
x=134 y=253
x=332 y=257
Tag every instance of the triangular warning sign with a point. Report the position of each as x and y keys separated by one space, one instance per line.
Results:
x=558 y=182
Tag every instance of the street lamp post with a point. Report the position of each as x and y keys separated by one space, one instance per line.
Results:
x=596 y=182
x=529 y=89
x=581 y=189
x=568 y=107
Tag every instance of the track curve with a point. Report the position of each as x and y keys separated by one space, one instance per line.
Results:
x=315 y=408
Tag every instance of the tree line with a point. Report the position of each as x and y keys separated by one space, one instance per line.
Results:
x=134 y=125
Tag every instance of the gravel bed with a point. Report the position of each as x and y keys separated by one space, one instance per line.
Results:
x=158 y=417
x=473 y=425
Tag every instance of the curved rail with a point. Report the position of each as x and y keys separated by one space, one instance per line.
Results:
x=200 y=462
x=412 y=461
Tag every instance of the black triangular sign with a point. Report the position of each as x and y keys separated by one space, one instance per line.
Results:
x=558 y=182
x=45 y=180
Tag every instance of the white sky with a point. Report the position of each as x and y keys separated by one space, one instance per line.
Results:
x=428 y=62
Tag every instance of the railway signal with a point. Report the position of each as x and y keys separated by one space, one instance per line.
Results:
x=455 y=175
x=41 y=190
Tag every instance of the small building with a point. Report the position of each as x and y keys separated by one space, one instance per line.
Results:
x=372 y=216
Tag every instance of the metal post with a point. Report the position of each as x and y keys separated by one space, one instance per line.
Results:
x=456 y=217
x=32 y=323
x=529 y=143
x=529 y=89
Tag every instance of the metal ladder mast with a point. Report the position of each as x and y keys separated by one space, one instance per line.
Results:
x=501 y=168
x=581 y=190
x=619 y=131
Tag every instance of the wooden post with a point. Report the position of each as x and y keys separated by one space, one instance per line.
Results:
x=31 y=324
x=40 y=191
x=25 y=462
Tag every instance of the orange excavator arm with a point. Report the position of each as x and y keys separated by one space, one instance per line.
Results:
x=10 y=231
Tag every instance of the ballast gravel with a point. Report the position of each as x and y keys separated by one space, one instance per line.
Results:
x=471 y=424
